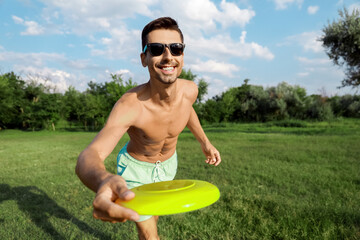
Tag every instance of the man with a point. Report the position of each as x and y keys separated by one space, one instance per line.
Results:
x=153 y=114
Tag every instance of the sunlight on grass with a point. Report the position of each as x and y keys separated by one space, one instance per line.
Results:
x=279 y=180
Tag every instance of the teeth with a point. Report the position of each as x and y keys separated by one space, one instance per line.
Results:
x=168 y=68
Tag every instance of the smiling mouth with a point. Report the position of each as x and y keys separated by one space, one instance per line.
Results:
x=167 y=69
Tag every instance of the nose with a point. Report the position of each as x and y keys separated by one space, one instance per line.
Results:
x=167 y=54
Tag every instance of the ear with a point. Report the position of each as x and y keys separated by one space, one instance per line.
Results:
x=143 y=59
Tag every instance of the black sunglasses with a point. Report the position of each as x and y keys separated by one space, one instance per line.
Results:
x=156 y=49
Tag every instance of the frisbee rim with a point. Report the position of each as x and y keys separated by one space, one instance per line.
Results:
x=198 y=195
x=143 y=188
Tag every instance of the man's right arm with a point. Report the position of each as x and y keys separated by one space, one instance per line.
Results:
x=91 y=170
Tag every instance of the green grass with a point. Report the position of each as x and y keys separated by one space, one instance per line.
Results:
x=278 y=180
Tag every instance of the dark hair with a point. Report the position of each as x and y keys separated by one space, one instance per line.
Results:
x=160 y=23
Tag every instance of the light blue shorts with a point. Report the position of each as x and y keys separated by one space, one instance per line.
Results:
x=137 y=173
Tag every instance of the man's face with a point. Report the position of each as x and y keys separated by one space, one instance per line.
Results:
x=165 y=68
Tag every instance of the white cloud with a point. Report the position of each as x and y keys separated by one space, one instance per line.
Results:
x=108 y=16
x=312 y=9
x=123 y=43
x=196 y=17
x=355 y=6
x=32 y=59
x=319 y=72
x=261 y=51
x=203 y=15
x=79 y=64
x=124 y=73
x=283 y=4
x=198 y=20
x=314 y=61
x=232 y=14
x=223 y=46
x=316 y=78
x=40 y=60
x=308 y=41
x=55 y=79
x=100 y=15
x=215 y=87
x=18 y=20
x=86 y=17
x=211 y=66
x=33 y=28
x=303 y=74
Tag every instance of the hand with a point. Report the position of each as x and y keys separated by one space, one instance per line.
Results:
x=112 y=188
x=212 y=154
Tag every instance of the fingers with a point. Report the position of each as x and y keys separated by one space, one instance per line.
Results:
x=104 y=204
x=218 y=158
x=107 y=210
x=214 y=158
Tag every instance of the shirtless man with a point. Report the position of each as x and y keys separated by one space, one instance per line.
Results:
x=153 y=114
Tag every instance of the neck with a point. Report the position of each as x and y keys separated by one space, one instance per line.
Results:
x=163 y=93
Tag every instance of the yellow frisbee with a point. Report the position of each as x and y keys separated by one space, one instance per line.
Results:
x=171 y=197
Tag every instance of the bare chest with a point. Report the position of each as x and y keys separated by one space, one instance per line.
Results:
x=158 y=124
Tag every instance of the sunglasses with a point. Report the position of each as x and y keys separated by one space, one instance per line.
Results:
x=157 y=49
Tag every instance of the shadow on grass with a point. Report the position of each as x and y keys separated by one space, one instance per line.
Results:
x=39 y=207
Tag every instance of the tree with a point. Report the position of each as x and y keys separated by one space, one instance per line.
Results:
x=188 y=75
x=202 y=84
x=117 y=87
x=91 y=108
x=342 y=43
x=203 y=90
x=318 y=108
x=73 y=106
x=11 y=101
x=42 y=109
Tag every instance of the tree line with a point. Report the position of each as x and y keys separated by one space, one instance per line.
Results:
x=32 y=105
x=251 y=103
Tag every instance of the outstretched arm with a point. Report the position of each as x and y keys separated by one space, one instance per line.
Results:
x=211 y=153
x=91 y=170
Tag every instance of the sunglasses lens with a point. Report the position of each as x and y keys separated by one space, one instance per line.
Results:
x=176 y=49
x=156 y=49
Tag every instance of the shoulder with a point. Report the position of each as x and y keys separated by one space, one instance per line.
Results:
x=127 y=109
x=131 y=97
x=190 y=89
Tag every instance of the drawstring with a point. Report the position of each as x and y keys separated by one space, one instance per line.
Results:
x=157 y=171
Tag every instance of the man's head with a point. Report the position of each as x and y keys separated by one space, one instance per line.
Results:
x=160 y=23
x=163 y=50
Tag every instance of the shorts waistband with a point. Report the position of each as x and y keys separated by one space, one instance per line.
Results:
x=148 y=164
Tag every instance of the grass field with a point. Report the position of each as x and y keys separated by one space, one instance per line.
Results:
x=280 y=180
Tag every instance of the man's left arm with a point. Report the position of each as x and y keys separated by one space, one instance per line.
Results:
x=211 y=153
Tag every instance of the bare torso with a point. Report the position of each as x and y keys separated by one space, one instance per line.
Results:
x=154 y=134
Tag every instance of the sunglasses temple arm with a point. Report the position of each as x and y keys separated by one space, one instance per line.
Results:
x=145 y=49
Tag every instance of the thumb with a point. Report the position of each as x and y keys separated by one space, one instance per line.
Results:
x=120 y=189
x=127 y=195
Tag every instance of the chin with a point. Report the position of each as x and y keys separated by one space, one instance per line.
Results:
x=167 y=79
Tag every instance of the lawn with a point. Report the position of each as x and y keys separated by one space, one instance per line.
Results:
x=278 y=180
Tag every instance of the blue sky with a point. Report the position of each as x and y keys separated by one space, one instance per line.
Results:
x=70 y=43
